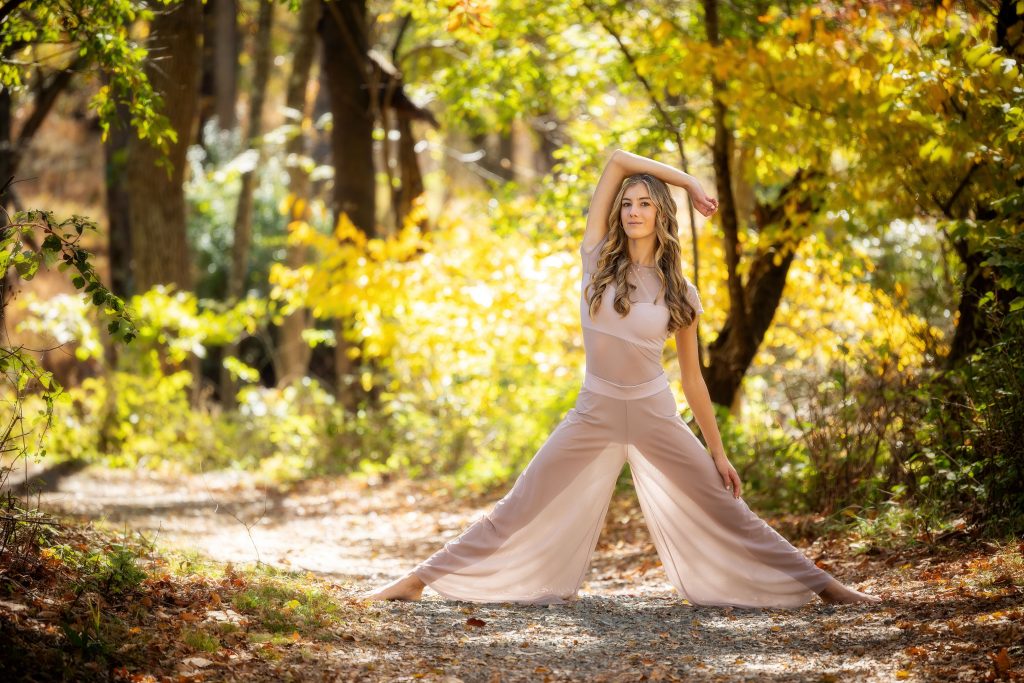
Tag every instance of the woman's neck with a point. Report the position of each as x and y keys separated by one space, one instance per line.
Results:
x=641 y=250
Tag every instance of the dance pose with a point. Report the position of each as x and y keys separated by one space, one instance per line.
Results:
x=535 y=544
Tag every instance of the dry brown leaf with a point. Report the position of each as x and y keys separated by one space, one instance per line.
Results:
x=1001 y=661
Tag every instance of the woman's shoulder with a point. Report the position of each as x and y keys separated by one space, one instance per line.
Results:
x=693 y=296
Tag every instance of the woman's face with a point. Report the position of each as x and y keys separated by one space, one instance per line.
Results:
x=638 y=212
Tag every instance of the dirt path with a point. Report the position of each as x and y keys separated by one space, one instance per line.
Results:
x=629 y=624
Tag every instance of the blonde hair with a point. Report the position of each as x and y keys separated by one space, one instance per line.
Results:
x=613 y=261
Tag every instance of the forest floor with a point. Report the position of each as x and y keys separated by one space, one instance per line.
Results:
x=75 y=606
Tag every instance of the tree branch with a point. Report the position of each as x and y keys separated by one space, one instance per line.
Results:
x=8 y=8
x=46 y=96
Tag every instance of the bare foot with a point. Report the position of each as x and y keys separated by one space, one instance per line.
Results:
x=837 y=593
x=409 y=587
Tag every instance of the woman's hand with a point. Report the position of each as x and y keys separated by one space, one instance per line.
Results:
x=704 y=204
x=730 y=477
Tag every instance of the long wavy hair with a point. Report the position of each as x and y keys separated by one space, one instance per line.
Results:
x=613 y=261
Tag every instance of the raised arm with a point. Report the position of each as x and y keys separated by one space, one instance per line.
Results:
x=622 y=164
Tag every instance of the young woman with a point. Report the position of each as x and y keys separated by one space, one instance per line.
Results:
x=535 y=545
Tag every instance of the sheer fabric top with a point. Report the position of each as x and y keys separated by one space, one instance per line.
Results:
x=627 y=350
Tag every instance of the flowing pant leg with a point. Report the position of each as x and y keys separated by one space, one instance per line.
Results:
x=535 y=544
x=715 y=550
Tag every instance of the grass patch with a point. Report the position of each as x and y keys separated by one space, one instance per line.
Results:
x=198 y=639
x=285 y=603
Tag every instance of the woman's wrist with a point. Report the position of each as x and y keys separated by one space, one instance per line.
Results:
x=635 y=163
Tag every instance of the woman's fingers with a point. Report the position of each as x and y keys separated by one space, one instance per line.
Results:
x=726 y=475
x=730 y=478
x=707 y=206
x=735 y=482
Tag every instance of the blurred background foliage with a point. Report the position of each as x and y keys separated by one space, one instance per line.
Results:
x=397 y=293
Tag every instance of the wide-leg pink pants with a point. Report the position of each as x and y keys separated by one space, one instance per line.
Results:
x=535 y=544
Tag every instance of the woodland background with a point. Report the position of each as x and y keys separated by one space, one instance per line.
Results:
x=362 y=254
x=321 y=238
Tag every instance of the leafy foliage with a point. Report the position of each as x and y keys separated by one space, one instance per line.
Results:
x=19 y=369
x=99 y=33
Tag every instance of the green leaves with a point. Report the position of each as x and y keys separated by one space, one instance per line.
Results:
x=61 y=242
x=96 y=32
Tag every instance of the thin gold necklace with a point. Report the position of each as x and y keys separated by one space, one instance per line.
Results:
x=640 y=281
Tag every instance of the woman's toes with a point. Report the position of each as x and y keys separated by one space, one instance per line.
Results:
x=406 y=588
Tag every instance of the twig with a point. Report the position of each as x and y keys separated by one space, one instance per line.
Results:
x=31 y=521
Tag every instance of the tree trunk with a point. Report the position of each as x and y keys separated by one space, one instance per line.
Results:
x=733 y=350
x=729 y=355
x=220 y=63
x=119 y=236
x=160 y=253
x=294 y=351
x=6 y=177
x=973 y=330
x=242 y=244
x=6 y=146
x=157 y=211
x=346 y=67
x=410 y=176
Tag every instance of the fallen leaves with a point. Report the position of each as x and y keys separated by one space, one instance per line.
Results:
x=1001 y=662
x=951 y=615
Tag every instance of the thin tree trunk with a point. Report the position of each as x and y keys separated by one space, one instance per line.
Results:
x=242 y=244
x=225 y=63
x=219 y=88
x=119 y=254
x=294 y=351
x=410 y=176
x=6 y=145
x=6 y=177
x=119 y=244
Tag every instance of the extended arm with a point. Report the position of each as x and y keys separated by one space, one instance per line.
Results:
x=696 y=392
x=622 y=164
